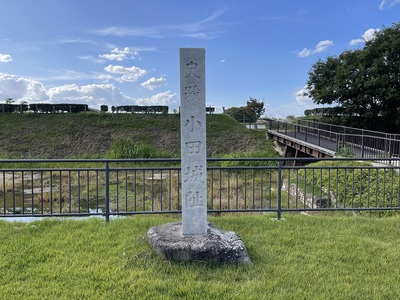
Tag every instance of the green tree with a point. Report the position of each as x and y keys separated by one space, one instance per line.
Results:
x=241 y=114
x=291 y=119
x=363 y=83
x=255 y=107
x=249 y=113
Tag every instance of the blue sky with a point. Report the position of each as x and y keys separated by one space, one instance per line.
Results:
x=125 y=52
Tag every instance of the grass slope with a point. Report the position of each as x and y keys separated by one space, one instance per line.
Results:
x=304 y=257
x=88 y=135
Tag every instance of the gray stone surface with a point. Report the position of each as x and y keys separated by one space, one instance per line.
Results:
x=193 y=140
x=215 y=246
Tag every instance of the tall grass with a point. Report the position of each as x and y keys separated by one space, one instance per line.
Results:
x=252 y=154
x=304 y=257
x=123 y=148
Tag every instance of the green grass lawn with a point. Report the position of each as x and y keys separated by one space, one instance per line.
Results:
x=302 y=257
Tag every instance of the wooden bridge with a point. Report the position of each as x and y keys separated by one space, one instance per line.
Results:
x=310 y=138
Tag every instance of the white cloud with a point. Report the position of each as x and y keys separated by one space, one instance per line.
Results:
x=295 y=107
x=93 y=94
x=105 y=77
x=153 y=83
x=301 y=99
x=92 y=59
x=75 y=41
x=131 y=74
x=356 y=42
x=370 y=34
x=164 y=98
x=301 y=104
x=206 y=28
x=32 y=91
x=120 y=55
x=129 y=31
x=385 y=4
x=305 y=52
x=22 y=89
x=366 y=37
x=5 y=58
x=64 y=74
x=320 y=47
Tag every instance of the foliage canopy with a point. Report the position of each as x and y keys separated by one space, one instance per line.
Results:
x=249 y=113
x=364 y=83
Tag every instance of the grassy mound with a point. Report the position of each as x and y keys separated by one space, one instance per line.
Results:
x=101 y=135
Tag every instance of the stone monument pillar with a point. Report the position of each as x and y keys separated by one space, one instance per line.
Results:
x=194 y=238
x=193 y=141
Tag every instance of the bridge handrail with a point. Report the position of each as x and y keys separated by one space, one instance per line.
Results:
x=345 y=129
x=386 y=144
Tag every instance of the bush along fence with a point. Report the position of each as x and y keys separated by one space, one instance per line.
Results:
x=41 y=188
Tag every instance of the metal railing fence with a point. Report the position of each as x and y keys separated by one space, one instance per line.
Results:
x=41 y=188
x=347 y=130
x=358 y=142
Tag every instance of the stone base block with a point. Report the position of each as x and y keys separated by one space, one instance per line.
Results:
x=215 y=246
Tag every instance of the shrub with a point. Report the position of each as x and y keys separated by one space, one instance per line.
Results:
x=269 y=153
x=353 y=183
x=125 y=148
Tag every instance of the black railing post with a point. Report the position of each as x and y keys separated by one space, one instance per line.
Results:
x=298 y=128
x=107 y=190
x=362 y=143
x=305 y=133
x=319 y=137
x=279 y=211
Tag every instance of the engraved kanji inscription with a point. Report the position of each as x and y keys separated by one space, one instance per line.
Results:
x=192 y=93
x=194 y=199
x=193 y=147
x=194 y=174
x=192 y=123
x=192 y=69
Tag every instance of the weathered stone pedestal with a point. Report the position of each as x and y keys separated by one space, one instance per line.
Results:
x=216 y=246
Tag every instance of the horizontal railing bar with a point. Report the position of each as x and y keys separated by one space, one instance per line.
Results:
x=176 y=160
x=346 y=127
x=338 y=133
x=90 y=160
x=51 y=169
x=50 y=215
